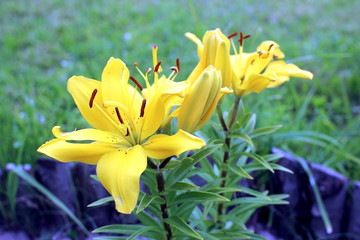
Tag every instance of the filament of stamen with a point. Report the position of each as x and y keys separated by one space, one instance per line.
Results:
x=92 y=98
x=142 y=111
x=136 y=83
x=154 y=52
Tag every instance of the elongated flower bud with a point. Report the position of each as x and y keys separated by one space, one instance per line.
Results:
x=200 y=101
x=213 y=50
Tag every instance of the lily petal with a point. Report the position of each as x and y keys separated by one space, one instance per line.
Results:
x=89 y=134
x=114 y=81
x=162 y=146
x=88 y=153
x=119 y=172
x=257 y=83
x=264 y=46
x=197 y=41
x=284 y=71
x=81 y=89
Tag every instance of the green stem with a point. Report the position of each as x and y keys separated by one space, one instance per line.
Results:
x=161 y=188
x=226 y=129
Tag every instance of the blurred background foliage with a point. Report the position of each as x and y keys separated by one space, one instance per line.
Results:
x=43 y=43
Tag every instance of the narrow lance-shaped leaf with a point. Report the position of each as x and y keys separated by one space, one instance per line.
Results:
x=181 y=225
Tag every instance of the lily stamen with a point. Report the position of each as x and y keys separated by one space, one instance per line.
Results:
x=156 y=69
x=92 y=98
x=178 y=64
x=232 y=35
x=118 y=115
x=136 y=83
x=142 y=111
x=242 y=38
x=271 y=45
x=175 y=69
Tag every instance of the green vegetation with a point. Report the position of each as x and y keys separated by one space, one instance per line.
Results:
x=43 y=43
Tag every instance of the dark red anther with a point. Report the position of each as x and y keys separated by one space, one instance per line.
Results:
x=118 y=115
x=142 y=111
x=178 y=64
x=271 y=45
x=156 y=69
x=232 y=35
x=135 y=64
x=92 y=98
x=127 y=132
x=247 y=36
x=175 y=69
x=136 y=83
x=242 y=38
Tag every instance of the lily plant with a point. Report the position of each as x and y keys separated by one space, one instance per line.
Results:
x=162 y=132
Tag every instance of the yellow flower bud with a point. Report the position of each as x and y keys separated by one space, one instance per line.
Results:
x=200 y=101
x=213 y=50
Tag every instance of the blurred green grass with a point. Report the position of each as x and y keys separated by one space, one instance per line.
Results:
x=43 y=43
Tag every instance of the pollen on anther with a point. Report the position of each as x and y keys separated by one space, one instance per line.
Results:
x=136 y=83
x=175 y=69
x=118 y=115
x=232 y=35
x=178 y=64
x=271 y=45
x=142 y=110
x=92 y=98
x=156 y=69
x=148 y=70
x=242 y=38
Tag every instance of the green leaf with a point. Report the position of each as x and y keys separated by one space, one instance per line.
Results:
x=264 y=130
x=95 y=177
x=259 y=159
x=182 y=186
x=240 y=171
x=146 y=219
x=181 y=225
x=229 y=235
x=250 y=125
x=146 y=200
x=256 y=200
x=127 y=229
x=140 y=232
x=109 y=238
x=181 y=171
x=29 y=179
x=101 y=201
x=319 y=201
x=242 y=136
x=254 y=193
x=198 y=196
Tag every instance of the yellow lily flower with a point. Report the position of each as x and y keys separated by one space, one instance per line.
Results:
x=249 y=68
x=123 y=135
x=200 y=101
x=214 y=49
